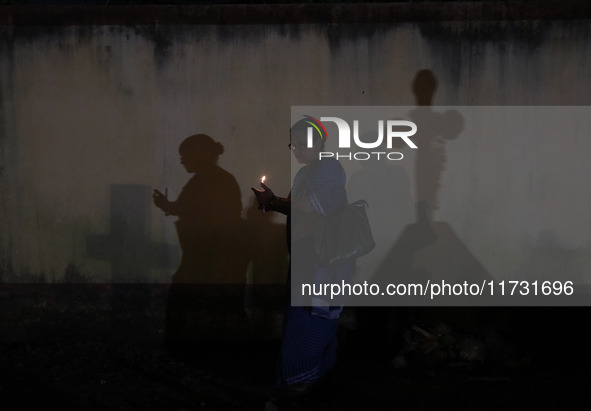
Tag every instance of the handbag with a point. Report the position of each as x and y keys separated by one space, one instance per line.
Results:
x=344 y=235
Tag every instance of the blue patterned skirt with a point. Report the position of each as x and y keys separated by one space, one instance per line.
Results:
x=309 y=347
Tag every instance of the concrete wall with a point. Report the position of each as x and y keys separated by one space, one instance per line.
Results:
x=92 y=117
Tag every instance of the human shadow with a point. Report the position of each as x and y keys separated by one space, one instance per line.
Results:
x=206 y=293
x=269 y=259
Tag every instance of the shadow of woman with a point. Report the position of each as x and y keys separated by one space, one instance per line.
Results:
x=208 y=286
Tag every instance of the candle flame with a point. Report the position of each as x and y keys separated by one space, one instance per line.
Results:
x=263 y=179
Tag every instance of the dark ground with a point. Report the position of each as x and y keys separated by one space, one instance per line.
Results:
x=100 y=347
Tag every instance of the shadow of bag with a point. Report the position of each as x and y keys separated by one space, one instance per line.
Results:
x=344 y=235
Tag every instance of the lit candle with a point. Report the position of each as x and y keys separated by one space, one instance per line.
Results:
x=263 y=178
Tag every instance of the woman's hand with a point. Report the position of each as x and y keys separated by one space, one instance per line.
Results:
x=263 y=196
x=161 y=200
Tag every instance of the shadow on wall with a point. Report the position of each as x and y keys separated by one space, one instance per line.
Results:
x=428 y=249
x=267 y=242
x=209 y=225
x=421 y=248
x=445 y=257
x=424 y=249
x=212 y=238
x=208 y=294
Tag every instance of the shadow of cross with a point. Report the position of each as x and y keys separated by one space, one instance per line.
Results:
x=127 y=246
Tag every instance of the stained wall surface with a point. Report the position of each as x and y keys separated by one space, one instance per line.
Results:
x=92 y=117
